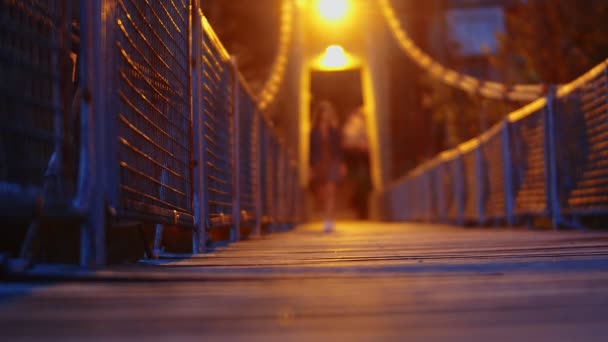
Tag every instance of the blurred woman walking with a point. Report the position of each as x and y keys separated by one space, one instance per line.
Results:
x=326 y=163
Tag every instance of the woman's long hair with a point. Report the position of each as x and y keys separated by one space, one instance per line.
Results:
x=325 y=107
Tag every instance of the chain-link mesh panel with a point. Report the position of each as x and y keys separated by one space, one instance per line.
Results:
x=247 y=150
x=153 y=108
x=447 y=200
x=492 y=162
x=218 y=130
x=405 y=192
x=435 y=195
x=292 y=188
x=418 y=197
x=263 y=165
x=270 y=162
x=282 y=185
x=471 y=184
x=39 y=127
x=396 y=201
x=528 y=159
x=454 y=171
x=582 y=147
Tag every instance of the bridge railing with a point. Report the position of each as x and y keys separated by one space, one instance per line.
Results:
x=131 y=113
x=38 y=142
x=547 y=159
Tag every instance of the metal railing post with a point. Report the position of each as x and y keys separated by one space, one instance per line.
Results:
x=235 y=230
x=259 y=193
x=282 y=189
x=508 y=173
x=94 y=189
x=551 y=186
x=198 y=141
x=276 y=157
x=459 y=189
x=158 y=234
x=480 y=171
x=429 y=194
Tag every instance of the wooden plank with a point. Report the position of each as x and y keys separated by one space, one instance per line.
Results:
x=364 y=281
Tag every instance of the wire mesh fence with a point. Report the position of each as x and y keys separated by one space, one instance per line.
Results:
x=247 y=156
x=39 y=129
x=581 y=126
x=217 y=132
x=154 y=126
x=153 y=109
x=547 y=159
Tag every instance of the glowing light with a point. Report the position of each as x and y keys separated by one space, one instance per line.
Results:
x=271 y=86
x=332 y=10
x=334 y=58
x=451 y=77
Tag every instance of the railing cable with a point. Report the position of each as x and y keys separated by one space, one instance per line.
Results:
x=277 y=74
x=467 y=83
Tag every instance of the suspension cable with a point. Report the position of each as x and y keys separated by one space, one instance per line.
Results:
x=277 y=74
x=470 y=84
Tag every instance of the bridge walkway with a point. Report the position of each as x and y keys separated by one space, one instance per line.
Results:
x=364 y=281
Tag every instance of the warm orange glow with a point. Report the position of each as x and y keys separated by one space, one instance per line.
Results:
x=332 y=10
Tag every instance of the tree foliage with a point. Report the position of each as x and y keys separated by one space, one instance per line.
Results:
x=552 y=41
x=546 y=41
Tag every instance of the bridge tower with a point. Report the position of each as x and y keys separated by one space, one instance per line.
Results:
x=361 y=36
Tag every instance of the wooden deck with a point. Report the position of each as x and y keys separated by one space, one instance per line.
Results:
x=364 y=281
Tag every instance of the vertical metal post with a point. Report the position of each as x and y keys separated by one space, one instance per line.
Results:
x=288 y=188
x=551 y=186
x=259 y=157
x=480 y=172
x=280 y=197
x=56 y=165
x=274 y=179
x=198 y=141
x=158 y=234
x=94 y=187
x=393 y=200
x=235 y=230
x=429 y=194
x=508 y=172
x=459 y=187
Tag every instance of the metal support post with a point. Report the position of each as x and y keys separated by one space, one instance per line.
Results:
x=480 y=173
x=459 y=189
x=198 y=141
x=508 y=173
x=235 y=230
x=94 y=187
x=259 y=157
x=551 y=186
x=158 y=234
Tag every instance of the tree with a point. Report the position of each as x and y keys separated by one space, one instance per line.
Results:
x=546 y=41
x=552 y=41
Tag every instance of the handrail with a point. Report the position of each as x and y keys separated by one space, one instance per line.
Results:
x=548 y=156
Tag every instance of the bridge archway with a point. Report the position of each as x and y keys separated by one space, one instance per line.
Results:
x=360 y=35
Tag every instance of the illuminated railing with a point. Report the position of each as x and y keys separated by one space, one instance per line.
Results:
x=158 y=128
x=548 y=159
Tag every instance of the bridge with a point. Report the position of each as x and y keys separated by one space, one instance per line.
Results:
x=147 y=192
